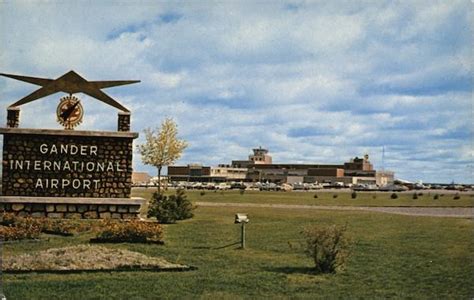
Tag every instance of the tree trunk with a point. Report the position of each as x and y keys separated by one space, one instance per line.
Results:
x=159 y=180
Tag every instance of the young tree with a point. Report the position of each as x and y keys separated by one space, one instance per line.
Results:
x=162 y=146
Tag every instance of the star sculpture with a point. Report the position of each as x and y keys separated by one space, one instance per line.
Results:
x=71 y=83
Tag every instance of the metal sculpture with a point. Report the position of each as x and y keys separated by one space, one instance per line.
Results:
x=70 y=83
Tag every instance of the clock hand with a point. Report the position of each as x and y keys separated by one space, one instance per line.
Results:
x=67 y=113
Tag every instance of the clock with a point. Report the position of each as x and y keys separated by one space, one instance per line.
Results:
x=69 y=112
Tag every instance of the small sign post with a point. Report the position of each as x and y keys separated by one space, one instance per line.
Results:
x=242 y=219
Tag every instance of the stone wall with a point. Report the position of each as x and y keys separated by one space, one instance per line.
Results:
x=73 y=210
x=123 y=123
x=13 y=117
x=61 y=163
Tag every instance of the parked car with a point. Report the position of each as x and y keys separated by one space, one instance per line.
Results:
x=209 y=186
x=456 y=187
x=286 y=187
x=298 y=186
x=237 y=185
x=326 y=185
x=393 y=188
x=196 y=185
x=419 y=186
x=315 y=186
x=223 y=186
x=364 y=187
x=270 y=187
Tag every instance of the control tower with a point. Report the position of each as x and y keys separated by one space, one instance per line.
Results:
x=260 y=156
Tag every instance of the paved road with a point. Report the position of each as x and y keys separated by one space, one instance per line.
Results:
x=454 y=212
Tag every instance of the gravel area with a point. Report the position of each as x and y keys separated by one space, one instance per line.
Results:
x=455 y=212
x=86 y=258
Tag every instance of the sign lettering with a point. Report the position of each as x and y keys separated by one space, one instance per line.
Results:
x=66 y=150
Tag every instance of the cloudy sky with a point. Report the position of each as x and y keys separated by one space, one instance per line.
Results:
x=312 y=81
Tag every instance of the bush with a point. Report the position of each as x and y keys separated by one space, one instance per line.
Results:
x=241 y=192
x=334 y=196
x=202 y=193
x=46 y=225
x=456 y=196
x=327 y=246
x=7 y=219
x=13 y=233
x=394 y=196
x=436 y=197
x=354 y=195
x=315 y=196
x=129 y=231
x=415 y=196
x=169 y=209
x=63 y=227
x=18 y=228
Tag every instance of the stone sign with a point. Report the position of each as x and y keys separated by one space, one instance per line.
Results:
x=54 y=163
x=68 y=173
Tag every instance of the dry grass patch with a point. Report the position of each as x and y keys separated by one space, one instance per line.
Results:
x=87 y=258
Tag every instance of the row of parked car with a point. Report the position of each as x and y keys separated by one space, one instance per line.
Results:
x=299 y=186
x=268 y=186
x=258 y=186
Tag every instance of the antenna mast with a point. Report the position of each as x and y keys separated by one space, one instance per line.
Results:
x=383 y=158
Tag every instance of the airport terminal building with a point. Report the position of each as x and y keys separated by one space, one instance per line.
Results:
x=260 y=168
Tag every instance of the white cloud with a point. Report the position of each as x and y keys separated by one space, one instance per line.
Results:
x=314 y=82
x=166 y=80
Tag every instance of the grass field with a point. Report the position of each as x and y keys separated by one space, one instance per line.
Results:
x=425 y=198
x=392 y=256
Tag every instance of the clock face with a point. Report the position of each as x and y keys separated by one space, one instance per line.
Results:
x=69 y=112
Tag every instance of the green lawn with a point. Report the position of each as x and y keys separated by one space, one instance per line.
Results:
x=324 y=198
x=393 y=256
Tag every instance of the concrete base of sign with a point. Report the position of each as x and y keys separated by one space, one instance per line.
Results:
x=73 y=208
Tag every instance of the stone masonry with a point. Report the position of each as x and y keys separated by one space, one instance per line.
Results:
x=73 y=211
x=70 y=208
x=13 y=117
x=123 y=123
x=66 y=164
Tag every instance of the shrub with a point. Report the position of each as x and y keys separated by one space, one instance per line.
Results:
x=63 y=227
x=456 y=196
x=327 y=246
x=415 y=196
x=354 y=195
x=12 y=233
x=7 y=219
x=18 y=228
x=394 y=196
x=334 y=196
x=169 y=209
x=241 y=192
x=129 y=231
x=315 y=196
x=436 y=197
x=46 y=225
x=202 y=193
